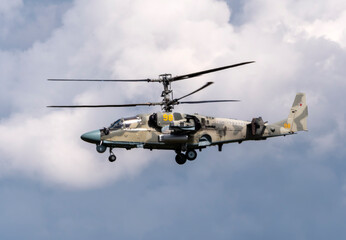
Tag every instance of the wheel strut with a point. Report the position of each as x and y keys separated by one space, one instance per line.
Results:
x=111 y=157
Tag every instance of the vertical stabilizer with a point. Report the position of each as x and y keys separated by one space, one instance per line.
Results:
x=297 y=118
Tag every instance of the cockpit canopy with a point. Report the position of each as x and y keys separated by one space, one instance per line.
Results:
x=117 y=124
x=125 y=123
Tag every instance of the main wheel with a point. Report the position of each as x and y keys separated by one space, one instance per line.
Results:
x=191 y=155
x=180 y=159
x=112 y=158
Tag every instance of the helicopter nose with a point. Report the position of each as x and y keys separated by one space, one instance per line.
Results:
x=92 y=137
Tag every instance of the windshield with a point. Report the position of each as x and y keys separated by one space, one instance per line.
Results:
x=125 y=122
x=117 y=124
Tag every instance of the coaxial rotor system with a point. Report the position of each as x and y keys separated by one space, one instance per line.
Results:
x=168 y=102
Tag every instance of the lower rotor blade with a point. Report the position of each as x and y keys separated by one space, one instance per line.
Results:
x=99 y=80
x=199 y=89
x=106 y=106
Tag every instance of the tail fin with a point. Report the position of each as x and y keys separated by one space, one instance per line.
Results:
x=297 y=118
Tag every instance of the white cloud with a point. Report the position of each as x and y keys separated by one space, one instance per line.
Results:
x=302 y=19
x=49 y=148
x=333 y=29
x=136 y=39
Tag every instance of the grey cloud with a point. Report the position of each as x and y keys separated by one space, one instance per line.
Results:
x=26 y=22
x=222 y=198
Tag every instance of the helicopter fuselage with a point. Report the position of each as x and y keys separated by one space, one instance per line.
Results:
x=179 y=132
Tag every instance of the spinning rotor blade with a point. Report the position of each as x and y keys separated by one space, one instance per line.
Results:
x=181 y=77
x=199 y=89
x=99 y=80
x=208 y=101
x=166 y=79
x=106 y=106
x=196 y=74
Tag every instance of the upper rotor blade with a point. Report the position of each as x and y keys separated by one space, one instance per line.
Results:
x=100 y=80
x=196 y=74
x=208 y=101
x=199 y=89
x=106 y=106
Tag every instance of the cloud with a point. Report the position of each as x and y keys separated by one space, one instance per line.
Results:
x=26 y=22
x=49 y=148
x=294 y=51
x=7 y=7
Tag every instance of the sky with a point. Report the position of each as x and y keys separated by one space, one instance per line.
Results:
x=54 y=185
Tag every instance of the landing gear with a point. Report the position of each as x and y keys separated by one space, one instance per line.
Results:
x=191 y=155
x=111 y=157
x=180 y=158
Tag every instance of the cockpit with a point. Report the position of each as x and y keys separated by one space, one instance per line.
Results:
x=116 y=125
x=125 y=123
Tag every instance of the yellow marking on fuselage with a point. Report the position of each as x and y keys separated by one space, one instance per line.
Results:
x=167 y=117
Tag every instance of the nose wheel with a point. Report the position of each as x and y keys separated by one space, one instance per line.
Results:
x=111 y=157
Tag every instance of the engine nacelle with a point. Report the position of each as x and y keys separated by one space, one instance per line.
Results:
x=256 y=129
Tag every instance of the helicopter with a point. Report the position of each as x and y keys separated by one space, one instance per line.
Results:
x=181 y=132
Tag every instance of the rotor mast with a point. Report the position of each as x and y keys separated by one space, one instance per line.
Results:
x=167 y=92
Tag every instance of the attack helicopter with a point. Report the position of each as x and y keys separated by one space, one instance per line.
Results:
x=181 y=132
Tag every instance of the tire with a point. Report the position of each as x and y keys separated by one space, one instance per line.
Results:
x=112 y=158
x=180 y=159
x=191 y=155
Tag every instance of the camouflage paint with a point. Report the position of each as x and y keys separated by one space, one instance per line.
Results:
x=216 y=131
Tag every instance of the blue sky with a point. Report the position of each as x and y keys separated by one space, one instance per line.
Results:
x=53 y=185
